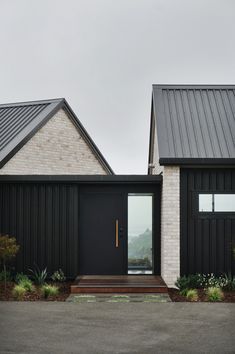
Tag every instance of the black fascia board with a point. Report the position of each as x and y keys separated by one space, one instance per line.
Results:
x=84 y=179
x=165 y=161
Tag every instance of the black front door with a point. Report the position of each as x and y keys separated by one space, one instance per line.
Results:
x=101 y=246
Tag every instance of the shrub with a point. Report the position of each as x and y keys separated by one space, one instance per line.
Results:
x=188 y=282
x=214 y=294
x=58 y=276
x=183 y=292
x=205 y=281
x=18 y=292
x=210 y=280
x=182 y=283
x=8 y=250
x=39 y=276
x=192 y=295
x=229 y=282
x=7 y=275
x=49 y=290
x=26 y=284
x=21 y=277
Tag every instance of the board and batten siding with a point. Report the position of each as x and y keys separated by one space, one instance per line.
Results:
x=44 y=219
x=207 y=239
x=57 y=148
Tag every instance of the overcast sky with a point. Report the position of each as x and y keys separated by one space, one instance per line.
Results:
x=103 y=56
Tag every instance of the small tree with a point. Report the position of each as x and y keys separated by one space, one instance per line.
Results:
x=8 y=250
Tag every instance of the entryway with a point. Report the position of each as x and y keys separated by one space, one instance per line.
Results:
x=84 y=225
x=119 y=230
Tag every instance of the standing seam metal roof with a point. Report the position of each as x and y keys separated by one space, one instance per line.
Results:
x=20 y=121
x=194 y=123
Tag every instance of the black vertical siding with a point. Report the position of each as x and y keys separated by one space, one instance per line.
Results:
x=44 y=219
x=207 y=239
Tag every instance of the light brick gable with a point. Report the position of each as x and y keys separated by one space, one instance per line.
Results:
x=57 y=148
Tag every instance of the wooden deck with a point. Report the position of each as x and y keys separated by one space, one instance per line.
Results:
x=118 y=284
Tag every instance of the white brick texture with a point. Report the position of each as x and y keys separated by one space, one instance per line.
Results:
x=57 y=148
x=170 y=225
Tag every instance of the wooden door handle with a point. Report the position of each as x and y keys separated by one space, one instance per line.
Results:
x=116 y=235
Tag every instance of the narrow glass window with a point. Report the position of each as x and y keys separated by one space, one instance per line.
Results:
x=140 y=210
x=205 y=202
x=224 y=202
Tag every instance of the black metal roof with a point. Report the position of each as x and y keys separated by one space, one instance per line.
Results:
x=20 y=121
x=195 y=124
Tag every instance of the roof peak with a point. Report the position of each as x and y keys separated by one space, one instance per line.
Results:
x=21 y=120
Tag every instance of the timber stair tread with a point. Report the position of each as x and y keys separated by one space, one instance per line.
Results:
x=119 y=284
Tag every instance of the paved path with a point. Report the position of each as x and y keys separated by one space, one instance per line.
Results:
x=118 y=298
x=101 y=328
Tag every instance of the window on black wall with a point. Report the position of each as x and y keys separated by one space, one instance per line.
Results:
x=216 y=202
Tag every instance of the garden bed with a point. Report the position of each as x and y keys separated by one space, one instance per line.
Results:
x=36 y=295
x=229 y=296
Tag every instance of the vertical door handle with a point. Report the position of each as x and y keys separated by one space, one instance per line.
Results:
x=116 y=235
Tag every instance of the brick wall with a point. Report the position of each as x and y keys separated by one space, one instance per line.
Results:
x=170 y=225
x=57 y=148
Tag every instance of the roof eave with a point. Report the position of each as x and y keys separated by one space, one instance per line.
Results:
x=167 y=161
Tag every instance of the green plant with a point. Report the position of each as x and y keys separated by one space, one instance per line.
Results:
x=8 y=250
x=214 y=294
x=18 y=292
x=7 y=275
x=58 y=276
x=188 y=282
x=210 y=280
x=21 y=276
x=27 y=284
x=183 y=292
x=192 y=295
x=39 y=276
x=229 y=282
x=182 y=282
x=49 y=290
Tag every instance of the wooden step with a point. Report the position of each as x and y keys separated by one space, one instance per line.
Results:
x=119 y=284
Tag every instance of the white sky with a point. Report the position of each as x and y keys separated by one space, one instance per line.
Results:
x=103 y=56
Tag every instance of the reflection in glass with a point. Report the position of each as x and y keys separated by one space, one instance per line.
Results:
x=205 y=202
x=140 y=234
x=224 y=202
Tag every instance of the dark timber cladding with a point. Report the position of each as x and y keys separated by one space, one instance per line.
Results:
x=207 y=239
x=43 y=212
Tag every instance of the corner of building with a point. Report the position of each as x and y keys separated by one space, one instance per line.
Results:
x=170 y=225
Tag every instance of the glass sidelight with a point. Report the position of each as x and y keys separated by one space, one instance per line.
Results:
x=140 y=226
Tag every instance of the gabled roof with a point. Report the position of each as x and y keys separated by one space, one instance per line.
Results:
x=195 y=124
x=20 y=121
